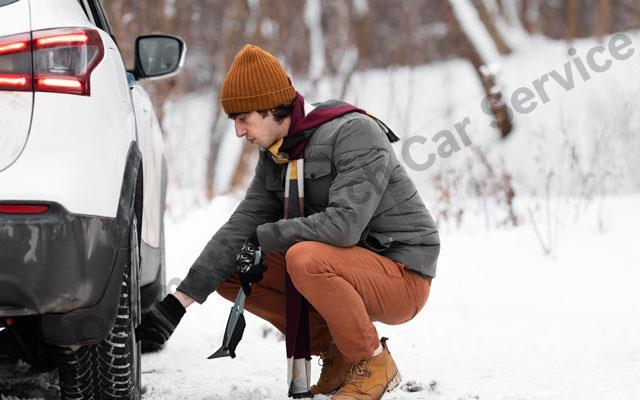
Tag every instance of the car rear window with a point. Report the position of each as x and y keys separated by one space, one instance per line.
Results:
x=6 y=2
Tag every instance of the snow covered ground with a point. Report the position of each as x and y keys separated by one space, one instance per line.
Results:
x=504 y=321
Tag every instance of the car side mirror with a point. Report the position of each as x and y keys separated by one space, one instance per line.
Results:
x=159 y=56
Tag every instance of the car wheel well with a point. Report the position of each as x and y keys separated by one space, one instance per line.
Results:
x=138 y=201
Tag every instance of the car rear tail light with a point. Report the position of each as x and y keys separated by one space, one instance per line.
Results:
x=15 y=81
x=23 y=208
x=52 y=60
x=5 y=323
x=63 y=59
x=15 y=62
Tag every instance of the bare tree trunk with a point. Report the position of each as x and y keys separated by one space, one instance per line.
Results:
x=501 y=9
x=235 y=38
x=172 y=88
x=317 y=56
x=362 y=26
x=489 y=24
x=402 y=50
x=242 y=169
x=603 y=16
x=487 y=80
x=215 y=139
x=525 y=15
x=343 y=54
x=570 y=19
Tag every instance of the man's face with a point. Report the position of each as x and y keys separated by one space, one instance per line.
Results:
x=258 y=130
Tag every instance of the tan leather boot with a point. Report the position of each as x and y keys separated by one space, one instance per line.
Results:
x=334 y=371
x=370 y=379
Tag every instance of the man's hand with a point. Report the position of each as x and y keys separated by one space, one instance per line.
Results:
x=158 y=324
x=249 y=264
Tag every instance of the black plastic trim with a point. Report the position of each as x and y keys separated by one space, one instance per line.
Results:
x=54 y=262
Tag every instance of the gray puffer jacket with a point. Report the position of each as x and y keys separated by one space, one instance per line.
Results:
x=356 y=193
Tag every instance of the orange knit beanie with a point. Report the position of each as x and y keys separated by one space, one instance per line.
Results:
x=256 y=81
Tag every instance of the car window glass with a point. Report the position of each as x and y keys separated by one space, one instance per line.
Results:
x=159 y=56
x=6 y=2
x=99 y=15
x=104 y=16
x=83 y=4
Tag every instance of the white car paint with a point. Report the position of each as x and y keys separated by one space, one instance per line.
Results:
x=151 y=145
x=14 y=18
x=14 y=125
x=56 y=14
x=77 y=146
x=16 y=106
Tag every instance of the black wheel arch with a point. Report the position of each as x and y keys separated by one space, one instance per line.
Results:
x=93 y=324
x=138 y=201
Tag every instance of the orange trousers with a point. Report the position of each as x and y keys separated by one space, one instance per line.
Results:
x=347 y=288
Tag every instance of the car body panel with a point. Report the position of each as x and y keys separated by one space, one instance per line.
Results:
x=152 y=148
x=14 y=124
x=47 y=14
x=76 y=150
x=14 y=18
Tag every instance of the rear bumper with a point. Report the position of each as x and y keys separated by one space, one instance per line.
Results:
x=54 y=262
x=65 y=267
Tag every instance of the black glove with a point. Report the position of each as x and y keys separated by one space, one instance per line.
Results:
x=249 y=264
x=158 y=324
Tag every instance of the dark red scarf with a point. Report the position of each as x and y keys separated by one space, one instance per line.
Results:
x=297 y=138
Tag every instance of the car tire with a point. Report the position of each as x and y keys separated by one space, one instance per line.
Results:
x=111 y=368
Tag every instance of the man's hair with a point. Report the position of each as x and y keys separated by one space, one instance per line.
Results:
x=279 y=112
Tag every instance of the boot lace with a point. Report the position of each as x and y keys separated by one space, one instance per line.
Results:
x=358 y=372
x=324 y=359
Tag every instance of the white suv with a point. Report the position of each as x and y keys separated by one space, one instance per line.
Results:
x=82 y=191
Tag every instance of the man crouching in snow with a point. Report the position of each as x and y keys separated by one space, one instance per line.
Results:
x=362 y=248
